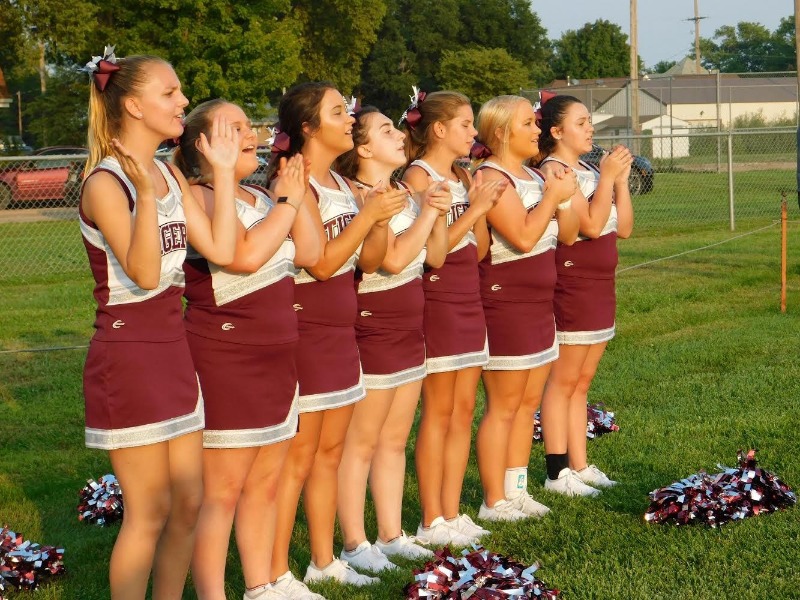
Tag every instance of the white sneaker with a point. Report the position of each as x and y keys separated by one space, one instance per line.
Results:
x=368 y=557
x=524 y=502
x=467 y=526
x=403 y=546
x=441 y=533
x=502 y=510
x=591 y=475
x=294 y=588
x=339 y=571
x=264 y=592
x=569 y=483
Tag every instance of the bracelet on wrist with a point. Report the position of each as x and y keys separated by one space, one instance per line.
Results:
x=285 y=200
x=565 y=205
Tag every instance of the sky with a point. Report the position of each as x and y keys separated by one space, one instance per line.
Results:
x=664 y=34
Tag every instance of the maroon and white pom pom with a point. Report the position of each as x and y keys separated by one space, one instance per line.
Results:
x=25 y=565
x=101 y=501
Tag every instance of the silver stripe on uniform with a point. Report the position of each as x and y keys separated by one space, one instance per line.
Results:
x=523 y=363
x=336 y=399
x=585 y=338
x=440 y=364
x=394 y=380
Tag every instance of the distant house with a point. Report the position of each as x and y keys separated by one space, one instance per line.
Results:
x=688 y=100
x=5 y=97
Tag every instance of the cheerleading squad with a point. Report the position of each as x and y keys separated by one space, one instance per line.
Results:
x=319 y=310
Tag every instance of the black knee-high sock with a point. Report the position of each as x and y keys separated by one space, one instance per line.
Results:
x=554 y=463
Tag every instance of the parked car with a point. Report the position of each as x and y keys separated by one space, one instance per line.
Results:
x=43 y=179
x=642 y=173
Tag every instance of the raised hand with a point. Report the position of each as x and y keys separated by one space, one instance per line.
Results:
x=484 y=194
x=616 y=162
x=381 y=204
x=134 y=170
x=221 y=149
x=292 y=178
x=438 y=197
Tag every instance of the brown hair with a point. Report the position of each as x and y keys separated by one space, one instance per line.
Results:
x=497 y=114
x=347 y=164
x=187 y=156
x=299 y=106
x=105 y=108
x=437 y=106
x=553 y=113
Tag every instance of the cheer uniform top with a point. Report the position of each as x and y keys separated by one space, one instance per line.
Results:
x=517 y=288
x=139 y=383
x=328 y=366
x=390 y=315
x=242 y=332
x=585 y=297
x=454 y=324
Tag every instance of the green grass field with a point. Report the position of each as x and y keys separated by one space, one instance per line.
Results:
x=703 y=364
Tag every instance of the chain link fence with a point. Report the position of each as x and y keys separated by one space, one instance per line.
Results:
x=703 y=182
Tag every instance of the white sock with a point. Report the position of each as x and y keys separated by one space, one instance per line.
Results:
x=516 y=481
x=256 y=591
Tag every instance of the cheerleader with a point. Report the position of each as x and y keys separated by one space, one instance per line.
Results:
x=517 y=276
x=585 y=298
x=391 y=345
x=439 y=130
x=242 y=332
x=141 y=392
x=314 y=120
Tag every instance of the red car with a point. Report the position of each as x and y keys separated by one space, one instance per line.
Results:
x=49 y=174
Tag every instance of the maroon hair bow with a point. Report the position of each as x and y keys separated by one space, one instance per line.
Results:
x=544 y=96
x=412 y=116
x=101 y=67
x=480 y=151
x=281 y=141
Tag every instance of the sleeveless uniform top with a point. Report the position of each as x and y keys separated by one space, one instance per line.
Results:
x=126 y=312
x=381 y=280
x=459 y=273
x=589 y=258
x=330 y=302
x=509 y=274
x=245 y=308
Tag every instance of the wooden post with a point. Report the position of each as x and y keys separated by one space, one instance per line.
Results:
x=784 y=218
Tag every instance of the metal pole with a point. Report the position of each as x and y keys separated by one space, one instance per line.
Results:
x=719 y=130
x=730 y=181
x=19 y=112
x=784 y=218
x=672 y=133
x=797 y=67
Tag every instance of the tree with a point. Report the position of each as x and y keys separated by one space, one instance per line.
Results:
x=663 y=66
x=511 y=25
x=59 y=116
x=337 y=35
x=482 y=73
x=750 y=47
x=598 y=49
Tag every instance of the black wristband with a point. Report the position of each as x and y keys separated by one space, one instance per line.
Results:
x=282 y=199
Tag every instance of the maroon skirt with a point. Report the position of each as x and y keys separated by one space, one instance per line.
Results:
x=390 y=337
x=585 y=310
x=522 y=335
x=250 y=391
x=455 y=332
x=140 y=393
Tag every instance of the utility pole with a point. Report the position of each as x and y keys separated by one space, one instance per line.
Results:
x=634 y=87
x=697 y=18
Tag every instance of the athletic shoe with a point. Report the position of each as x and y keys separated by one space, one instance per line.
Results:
x=502 y=510
x=441 y=533
x=403 y=546
x=591 y=475
x=368 y=557
x=294 y=588
x=467 y=526
x=524 y=502
x=264 y=592
x=569 y=483
x=339 y=571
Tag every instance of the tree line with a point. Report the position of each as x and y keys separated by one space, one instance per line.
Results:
x=250 y=52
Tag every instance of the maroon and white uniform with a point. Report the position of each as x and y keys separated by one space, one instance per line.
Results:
x=585 y=298
x=455 y=328
x=517 y=289
x=139 y=383
x=328 y=366
x=390 y=311
x=242 y=332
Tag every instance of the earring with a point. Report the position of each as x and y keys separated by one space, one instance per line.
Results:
x=139 y=116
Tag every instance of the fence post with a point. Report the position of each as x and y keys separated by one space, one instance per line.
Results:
x=730 y=181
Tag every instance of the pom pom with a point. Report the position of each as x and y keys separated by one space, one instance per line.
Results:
x=735 y=493
x=598 y=422
x=101 y=501
x=479 y=574
x=25 y=565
